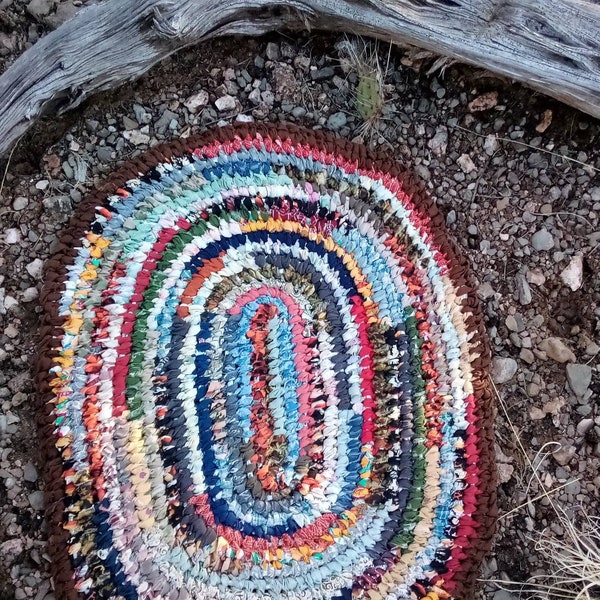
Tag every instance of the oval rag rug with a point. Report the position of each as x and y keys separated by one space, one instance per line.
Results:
x=264 y=375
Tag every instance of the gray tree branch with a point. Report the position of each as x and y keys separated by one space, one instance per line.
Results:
x=551 y=46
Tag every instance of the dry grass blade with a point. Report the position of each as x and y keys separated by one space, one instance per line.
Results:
x=573 y=559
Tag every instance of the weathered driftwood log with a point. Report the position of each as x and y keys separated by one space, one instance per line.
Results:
x=551 y=45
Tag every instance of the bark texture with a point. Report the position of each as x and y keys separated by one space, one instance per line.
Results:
x=552 y=46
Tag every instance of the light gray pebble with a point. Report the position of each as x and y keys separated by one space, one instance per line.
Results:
x=104 y=153
x=36 y=500
x=584 y=426
x=298 y=112
x=166 y=119
x=30 y=472
x=225 y=103
x=272 y=51
x=129 y=123
x=523 y=289
x=142 y=116
x=20 y=203
x=542 y=240
x=485 y=291
x=337 y=120
x=579 y=377
x=68 y=170
x=503 y=369
x=35 y=268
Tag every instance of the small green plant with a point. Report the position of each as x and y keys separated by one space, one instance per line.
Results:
x=362 y=58
x=369 y=97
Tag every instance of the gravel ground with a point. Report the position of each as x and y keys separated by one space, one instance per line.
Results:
x=515 y=173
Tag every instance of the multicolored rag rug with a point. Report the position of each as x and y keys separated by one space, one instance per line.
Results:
x=264 y=375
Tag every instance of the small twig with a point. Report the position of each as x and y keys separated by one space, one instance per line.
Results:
x=520 y=445
x=504 y=139
x=8 y=165
x=538 y=497
x=560 y=212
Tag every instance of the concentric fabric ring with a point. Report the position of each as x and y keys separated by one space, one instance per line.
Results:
x=264 y=375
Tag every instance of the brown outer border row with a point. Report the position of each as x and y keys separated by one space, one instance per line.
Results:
x=50 y=330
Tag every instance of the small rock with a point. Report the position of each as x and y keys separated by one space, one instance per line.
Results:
x=166 y=121
x=30 y=473
x=141 y=114
x=423 y=172
x=20 y=203
x=579 y=378
x=542 y=240
x=42 y=185
x=584 y=426
x=104 y=153
x=565 y=453
x=504 y=466
x=35 y=268
x=137 y=136
x=545 y=121
x=7 y=302
x=472 y=230
x=523 y=289
x=12 y=236
x=12 y=546
x=64 y=11
x=337 y=120
x=298 y=112
x=511 y=323
x=254 y=96
x=36 y=500
x=284 y=79
x=536 y=414
x=591 y=348
x=439 y=142
x=11 y=331
x=466 y=164
x=572 y=275
x=573 y=487
x=225 y=103
x=241 y=118
x=40 y=8
x=502 y=203
x=451 y=217
x=491 y=144
x=129 y=123
x=68 y=170
x=272 y=51
x=198 y=100
x=485 y=291
x=527 y=356
x=484 y=102
x=503 y=369
x=322 y=74
x=557 y=350
x=59 y=206
x=505 y=472
x=553 y=407
x=536 y=277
